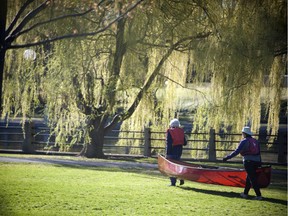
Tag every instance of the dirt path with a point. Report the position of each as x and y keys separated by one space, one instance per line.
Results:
x=67 y=162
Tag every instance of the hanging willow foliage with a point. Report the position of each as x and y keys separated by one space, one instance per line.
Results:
x=21 y=86
x=237 y=58
x=75 y=82
x=275 y=94
x=161 y=103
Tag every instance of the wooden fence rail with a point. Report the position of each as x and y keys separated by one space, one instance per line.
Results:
x=35 y=136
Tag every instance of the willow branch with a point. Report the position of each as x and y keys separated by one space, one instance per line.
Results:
x=113 y=122
x=205 y=9
x=76 y=35
x=198 y=36
x=156 y=71
x=53 y=20
x=182 y=86
x=25 y=20
x=16 y=18
x=280 y=52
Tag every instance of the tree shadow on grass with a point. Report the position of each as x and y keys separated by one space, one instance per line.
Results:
x=232 y=195
x=98 y=165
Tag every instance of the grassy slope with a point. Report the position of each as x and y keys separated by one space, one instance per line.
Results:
x=39 y=189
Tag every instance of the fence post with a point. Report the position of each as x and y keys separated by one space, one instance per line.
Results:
x=281 y=149
x=27 y=142
x=147 y=143
x=212 y=146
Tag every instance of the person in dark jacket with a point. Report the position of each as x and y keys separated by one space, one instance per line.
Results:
x=175 y=139
x=249 y=148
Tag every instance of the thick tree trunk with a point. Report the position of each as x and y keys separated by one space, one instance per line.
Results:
x=94 y=149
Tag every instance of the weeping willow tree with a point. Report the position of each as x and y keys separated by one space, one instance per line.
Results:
x=84 y=85
x=75 y=80
x=248 y=49
x=250 y=34
x=172 y=20
x=133 y=69
x=247 y=45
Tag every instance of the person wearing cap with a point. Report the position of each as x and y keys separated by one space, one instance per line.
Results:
x=249 y=148
x=175 y=140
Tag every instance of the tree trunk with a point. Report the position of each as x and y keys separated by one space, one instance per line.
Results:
x=2 y=59
x=94 y=149
x=3 y=14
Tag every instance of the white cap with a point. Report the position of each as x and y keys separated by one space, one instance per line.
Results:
x=174 y=123
x=247 y=130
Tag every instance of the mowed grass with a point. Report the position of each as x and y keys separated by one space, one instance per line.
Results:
x=43 y=189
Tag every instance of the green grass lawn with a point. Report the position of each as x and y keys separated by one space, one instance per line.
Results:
x=43 y=189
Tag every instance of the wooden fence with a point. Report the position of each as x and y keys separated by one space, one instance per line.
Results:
x=34 y=137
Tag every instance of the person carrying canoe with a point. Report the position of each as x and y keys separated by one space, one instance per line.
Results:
x=175 y=139
x=249 y=148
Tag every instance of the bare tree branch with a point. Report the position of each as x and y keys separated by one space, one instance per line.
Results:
x=76 y=35
x=57 y=19
x=25 y=20
x=13 y=23
x=53 y=20
x=61 y=37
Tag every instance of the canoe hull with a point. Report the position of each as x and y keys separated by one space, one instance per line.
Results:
x=211 y=175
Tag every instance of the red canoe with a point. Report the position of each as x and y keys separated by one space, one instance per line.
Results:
x=211 y=174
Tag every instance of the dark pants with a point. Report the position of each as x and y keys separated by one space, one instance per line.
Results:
x=177 y=152
x=251 y=179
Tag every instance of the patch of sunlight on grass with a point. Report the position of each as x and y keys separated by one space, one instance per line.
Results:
x=42 y=189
